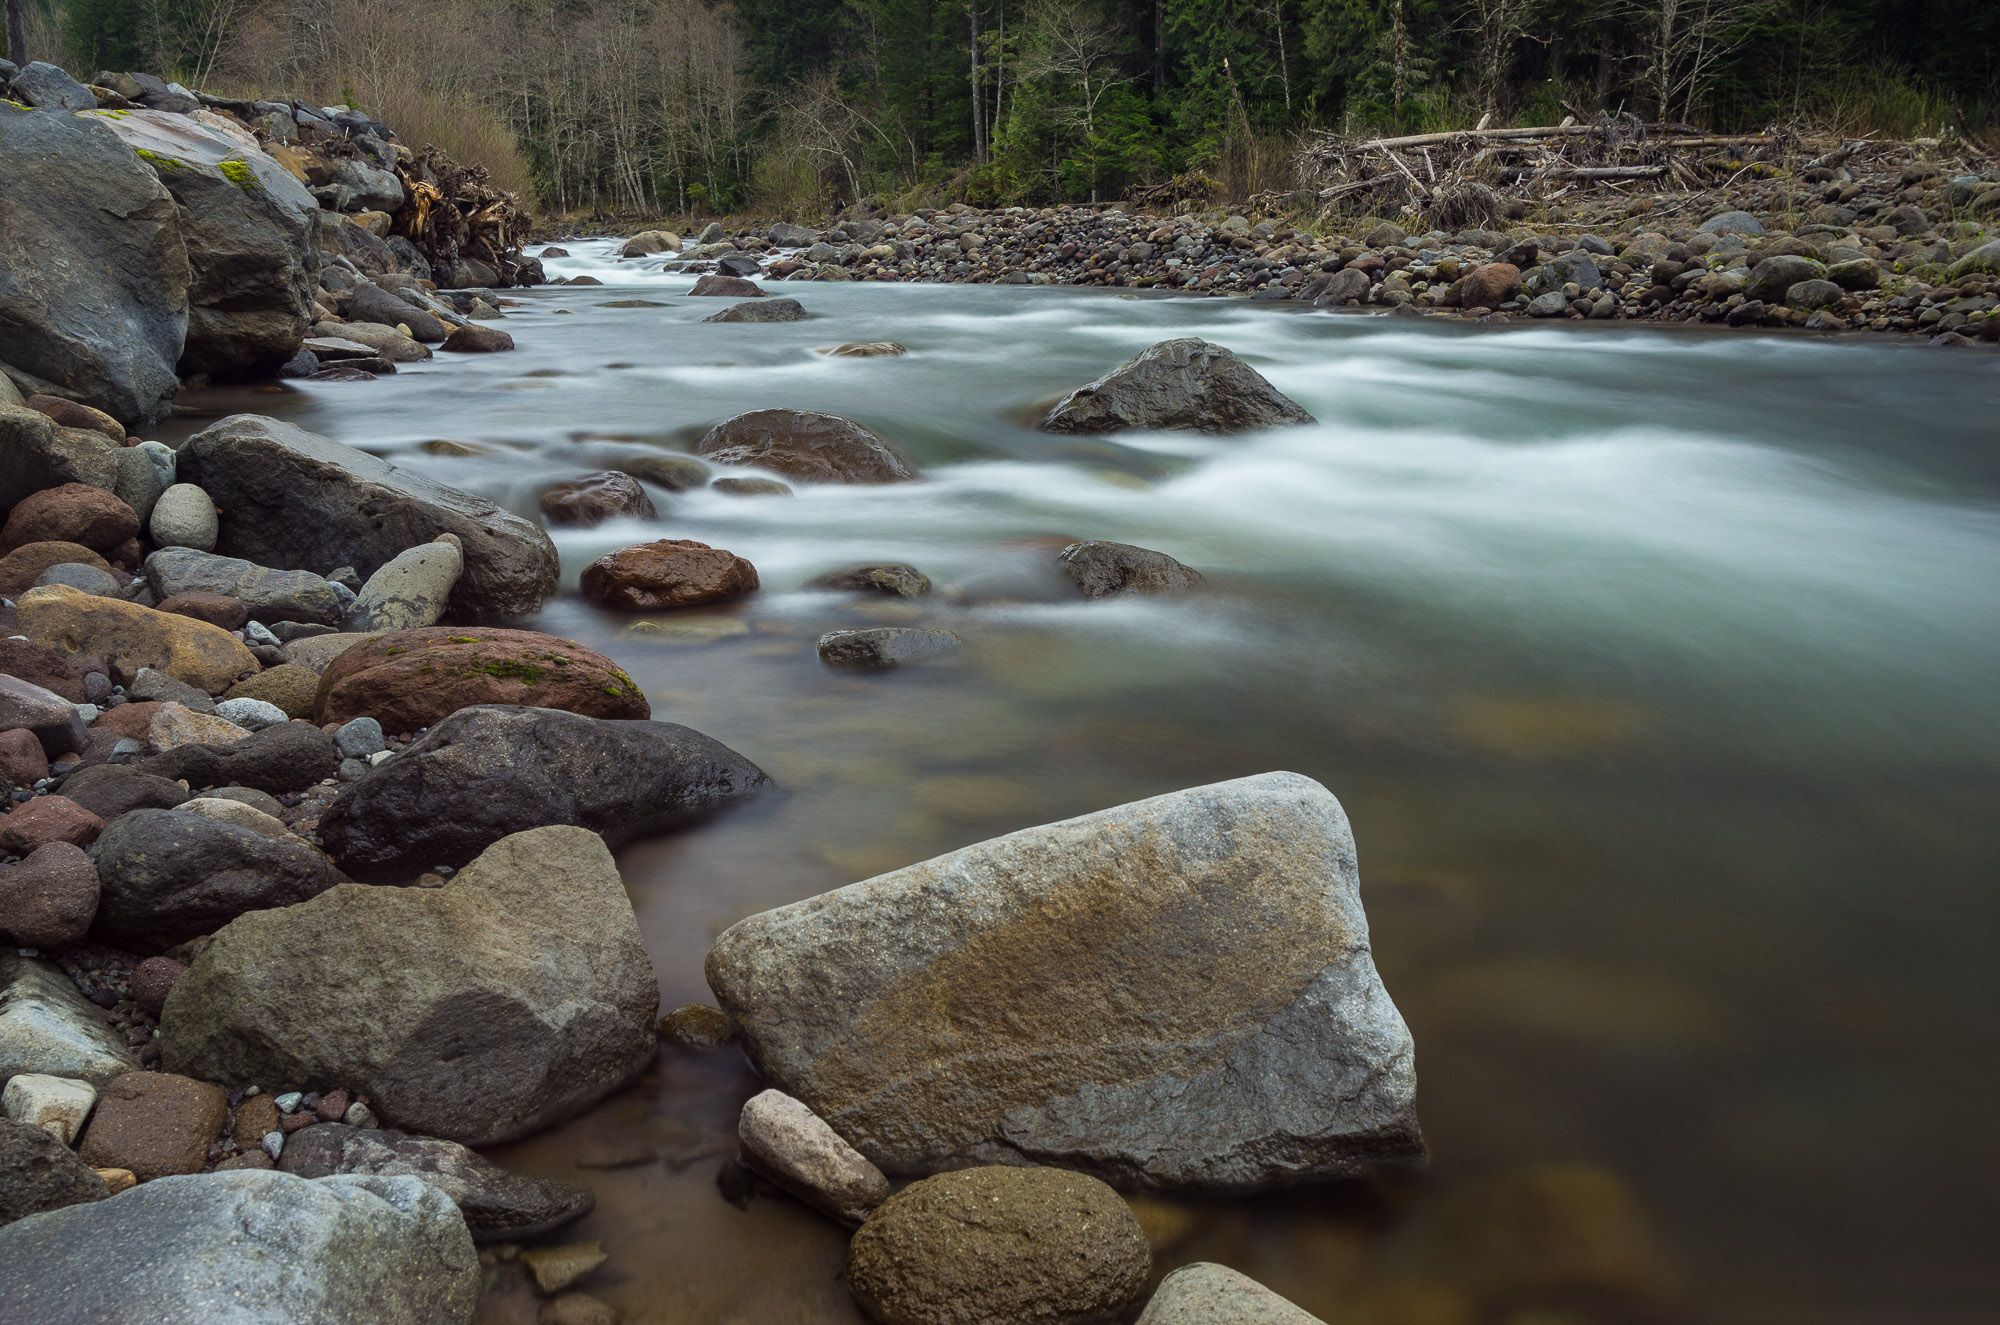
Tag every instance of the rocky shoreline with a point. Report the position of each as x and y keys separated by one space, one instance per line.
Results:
x=1897 y=244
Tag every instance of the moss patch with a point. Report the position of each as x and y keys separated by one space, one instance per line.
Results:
x=159 y=160
x=239 y=174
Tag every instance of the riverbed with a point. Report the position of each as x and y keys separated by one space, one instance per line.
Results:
x=1655 y=670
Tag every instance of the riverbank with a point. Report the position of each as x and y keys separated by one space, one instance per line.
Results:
x=1891 y=242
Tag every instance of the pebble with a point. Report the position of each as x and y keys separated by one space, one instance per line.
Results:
x=274 y=1144
x=289 y=1101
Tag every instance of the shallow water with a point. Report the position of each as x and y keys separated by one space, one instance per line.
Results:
x=1656 y=671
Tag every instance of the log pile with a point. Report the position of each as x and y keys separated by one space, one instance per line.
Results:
x=453 y=213
x=1468 y=178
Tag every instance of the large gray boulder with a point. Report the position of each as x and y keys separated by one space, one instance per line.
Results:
x=93 y=269
x=296 y=500
x=244 y=1248
x=271 y=595
x=513 y=997
x=495 y=769
x=46 y=1026
x=48 y=87
x=499 y=1205
x=166 y=876
x=1185 y=385
x=252 y=234
x=1176 y=993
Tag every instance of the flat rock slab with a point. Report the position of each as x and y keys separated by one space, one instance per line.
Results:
x=47 y=1027
x=242 y=1247
x=1176 y=993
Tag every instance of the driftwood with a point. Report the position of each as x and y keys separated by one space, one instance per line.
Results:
x=454 y=215
x=1467 y=177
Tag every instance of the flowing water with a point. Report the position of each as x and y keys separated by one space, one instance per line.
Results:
x=1656 y=671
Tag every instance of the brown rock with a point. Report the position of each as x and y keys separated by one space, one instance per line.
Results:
x=672 y=572
x=20 y=568
x=408 y=679
x=999 y=1246
x=130 y=637
x=51 y=669
x=132 y=720
x=293 y=688
x=247 y=1159
x=732 y=287
x=175 y=725
x=472 y=338
x=22 y=762
x=75 y=513
x=818 y=448
x=575 y=1309
x=49 y=899
x=215 y=608
x=154 y=1123
x=595 y=498
x=116 y=1180
x=47 y=819
x=697 y=1026
x=332 y=1106
x=152 y=980
x=1489 y=285
x=73 y=414
x=254 y=1117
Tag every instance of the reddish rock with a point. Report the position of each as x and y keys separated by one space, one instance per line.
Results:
x=595 y=498
x=154 y=1123
x=332 y=1106
x=127 y=555
x=1489 y=285
x=50 y=898
x=407 y=679
x=216 y=609
x=254 y=1117
x=20 y=568
x=73 y=414
x=819 y=448
x=296 y=1122
x=152 y=980
x=22 y=763
x=46 y=819
x=51 y=669
x=74 y=513
x=732 y=287
x=134 y=719
x=672 y=572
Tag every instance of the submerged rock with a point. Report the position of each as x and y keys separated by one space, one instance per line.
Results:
x=761 y=310
x=815 y=448
x=498 y=1204
x=1187 y=385
x=1208 y=1294
x=594 y=498
x=881 y=647
x=485 y=772
x=894 y=581
x=511 y=998
x=245 y=1246
x=293 y=499
x=1000 y=1246
x=1176 y=993
x=1102 y=570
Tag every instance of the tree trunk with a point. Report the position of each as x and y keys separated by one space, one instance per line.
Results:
x=978 y=92
x=1159 y=46
x=17 y=34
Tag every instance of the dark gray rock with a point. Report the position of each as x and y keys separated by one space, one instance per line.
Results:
x=499 y=1205
x=38 y=1172
x=111 y=790
x=46 y=87
x=1771 y=278
x=1101 y=570
x=800 y=444
x=166 y=876
x=371 y=303
x=1732 y=223
x=252 y=235
x=288 y=757
x=94 y=306
x=1184 y=385
x=491 y=770
x=761 y=310
x=1176 y=993
x=242 y=1247
x=509 y=999
x=271 y=595
x=893 y=580
x=1575 y=266
x=297 y=500
x=881 y=647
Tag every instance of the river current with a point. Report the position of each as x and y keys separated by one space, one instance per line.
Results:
x=1656 y=671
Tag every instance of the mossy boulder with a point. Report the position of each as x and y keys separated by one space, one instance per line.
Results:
x=409 y=679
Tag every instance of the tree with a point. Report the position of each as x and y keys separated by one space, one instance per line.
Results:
x=1685 y=43
x=17 y=33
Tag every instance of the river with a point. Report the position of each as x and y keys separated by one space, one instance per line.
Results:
x=1656 y=671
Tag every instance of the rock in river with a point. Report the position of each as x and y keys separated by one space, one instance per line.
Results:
x=246 y=1246
x=668 y=572
x=1177 y=993
x=1101 y=570
x=1186 y=384
x=1208 y=1294
x=1000 y=1246
x=761 y=310
x=594 y=498
x=498 y=1205
x=293 y=499
x=879 y=648
x=511 y=998
x=793 y=1146
x=816 y=448
x=408 y=679
x=485 y=772
x=166 y=876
